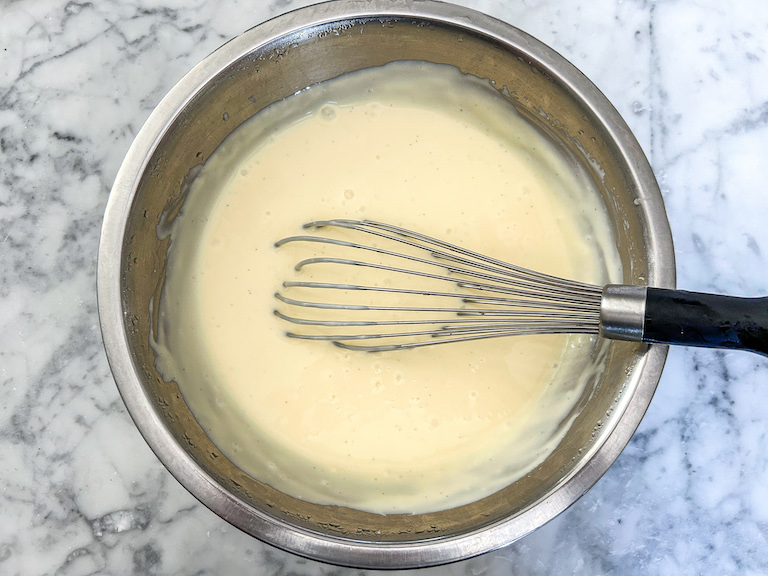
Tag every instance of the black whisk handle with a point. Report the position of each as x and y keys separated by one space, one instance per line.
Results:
x=706 y=320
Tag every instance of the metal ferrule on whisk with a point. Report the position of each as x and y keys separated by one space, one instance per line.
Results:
x=622 y=312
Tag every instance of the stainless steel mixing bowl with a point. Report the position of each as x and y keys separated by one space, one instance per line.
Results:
x=272 y=61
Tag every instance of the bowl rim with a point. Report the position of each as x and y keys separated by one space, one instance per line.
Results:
x=272 y=530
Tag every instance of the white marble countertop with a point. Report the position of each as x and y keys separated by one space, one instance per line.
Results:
x=81 y=491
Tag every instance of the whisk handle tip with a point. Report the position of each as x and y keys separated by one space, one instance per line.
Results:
x=707 y=320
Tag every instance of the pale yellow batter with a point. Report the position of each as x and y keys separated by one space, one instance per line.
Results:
x=416 y=145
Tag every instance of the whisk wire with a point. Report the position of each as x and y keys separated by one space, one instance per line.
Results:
x=568 y=300
x=531 y=302
x=407 y=236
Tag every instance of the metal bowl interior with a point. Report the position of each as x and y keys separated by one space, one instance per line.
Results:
x=271 y=62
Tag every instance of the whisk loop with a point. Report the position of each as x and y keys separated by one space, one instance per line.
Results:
x=521 y=301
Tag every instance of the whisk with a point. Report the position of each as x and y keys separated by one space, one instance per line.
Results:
x=498 y=299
